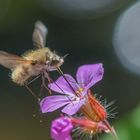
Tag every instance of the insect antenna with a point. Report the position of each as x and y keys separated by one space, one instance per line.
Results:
x=65 y=56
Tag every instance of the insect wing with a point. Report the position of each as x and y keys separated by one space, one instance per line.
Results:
x=10 y=60
x=39 y=35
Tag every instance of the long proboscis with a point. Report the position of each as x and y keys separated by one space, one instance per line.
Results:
x=62 y=74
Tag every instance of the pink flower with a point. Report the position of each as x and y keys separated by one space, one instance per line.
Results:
x=73 y=93
x=61 y=129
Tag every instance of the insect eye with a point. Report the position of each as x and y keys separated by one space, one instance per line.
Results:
x=54 y=62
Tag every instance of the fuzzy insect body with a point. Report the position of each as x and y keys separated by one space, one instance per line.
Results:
x=32 y=62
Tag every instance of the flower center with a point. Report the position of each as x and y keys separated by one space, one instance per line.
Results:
x=75 y=99
x=79 y=91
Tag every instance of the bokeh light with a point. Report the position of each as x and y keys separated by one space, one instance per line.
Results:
x=81 y=9
x=127 y=38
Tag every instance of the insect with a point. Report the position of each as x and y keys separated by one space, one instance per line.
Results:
x=41 y=60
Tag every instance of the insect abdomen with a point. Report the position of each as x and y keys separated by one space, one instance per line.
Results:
x=20 y=74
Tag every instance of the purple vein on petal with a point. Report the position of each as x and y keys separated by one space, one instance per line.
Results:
x=52 y=103
x=88 y=75
x=73 y=107
x=63 y=87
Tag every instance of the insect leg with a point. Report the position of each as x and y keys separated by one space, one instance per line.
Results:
x=32 y=93
x=33 y=79
x=43 y=85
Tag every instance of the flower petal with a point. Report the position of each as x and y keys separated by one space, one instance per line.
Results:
x=52 y=103
x=61 y=129
x=73 y=107
x=62 y=86
x=88 y=75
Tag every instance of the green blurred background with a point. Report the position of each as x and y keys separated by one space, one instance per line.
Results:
x=87 y=36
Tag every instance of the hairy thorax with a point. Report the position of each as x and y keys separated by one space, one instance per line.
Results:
x=41 y=55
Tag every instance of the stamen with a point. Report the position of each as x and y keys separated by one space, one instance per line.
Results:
x=79 y=91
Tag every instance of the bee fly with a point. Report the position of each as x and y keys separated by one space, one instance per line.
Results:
x=35 y=62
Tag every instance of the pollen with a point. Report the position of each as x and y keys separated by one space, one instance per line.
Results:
x=79 y=91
